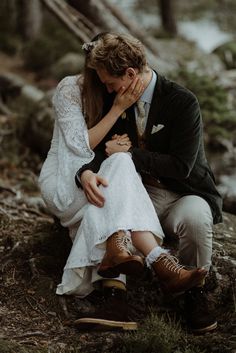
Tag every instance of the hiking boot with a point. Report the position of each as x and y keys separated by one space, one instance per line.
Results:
x=173 y=277
x=199 y=317
x=118 y=258
x=112 y=315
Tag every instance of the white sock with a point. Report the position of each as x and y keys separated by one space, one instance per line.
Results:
x=154 y=254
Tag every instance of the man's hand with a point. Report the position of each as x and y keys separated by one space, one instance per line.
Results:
x=90 y=182
x=119 y=143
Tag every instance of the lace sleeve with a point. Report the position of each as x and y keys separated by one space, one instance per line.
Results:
x=67 y=106
x=70 y=148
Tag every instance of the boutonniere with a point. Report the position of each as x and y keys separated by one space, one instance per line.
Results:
x=123 y=115
x=157 y=128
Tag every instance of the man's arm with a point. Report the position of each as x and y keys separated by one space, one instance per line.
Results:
x=93 y=166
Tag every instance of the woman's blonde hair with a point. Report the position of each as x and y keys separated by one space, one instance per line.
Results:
x=114 y=53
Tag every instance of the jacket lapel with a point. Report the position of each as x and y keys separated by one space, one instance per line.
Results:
x=131 y=127
x=153 y=115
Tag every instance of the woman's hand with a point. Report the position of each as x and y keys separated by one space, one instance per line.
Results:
x=118 y=143
x=127 y=97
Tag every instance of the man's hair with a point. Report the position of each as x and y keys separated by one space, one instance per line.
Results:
x=115 y=53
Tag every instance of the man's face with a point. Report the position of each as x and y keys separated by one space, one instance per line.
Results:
x=113 y=83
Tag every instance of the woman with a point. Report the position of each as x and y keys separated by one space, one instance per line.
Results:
x=127 y=213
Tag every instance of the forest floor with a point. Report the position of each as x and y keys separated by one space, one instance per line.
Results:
x=33 y=251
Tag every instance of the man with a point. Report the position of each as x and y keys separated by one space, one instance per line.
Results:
x=167 y=150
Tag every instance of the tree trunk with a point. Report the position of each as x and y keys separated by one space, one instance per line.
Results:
x=92 y=10
x=30 y=19
x=131 y=26
x=167 y=16
x=75 y=21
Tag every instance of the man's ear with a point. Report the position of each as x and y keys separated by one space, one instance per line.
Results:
x=131 y=72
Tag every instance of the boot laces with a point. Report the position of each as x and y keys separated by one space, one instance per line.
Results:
x=122 y=242
x=170 y=262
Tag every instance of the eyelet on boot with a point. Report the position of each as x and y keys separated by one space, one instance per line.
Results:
x=118 y=258
x=174 y=277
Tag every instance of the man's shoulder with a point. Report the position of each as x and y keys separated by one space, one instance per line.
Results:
x=172 y=89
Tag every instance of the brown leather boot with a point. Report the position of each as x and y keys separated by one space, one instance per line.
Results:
x=118 y=258
x=173 y=277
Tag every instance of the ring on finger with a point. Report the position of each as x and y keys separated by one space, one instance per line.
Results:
x=122 y=143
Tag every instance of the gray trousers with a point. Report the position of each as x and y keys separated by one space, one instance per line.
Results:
x=188 y=218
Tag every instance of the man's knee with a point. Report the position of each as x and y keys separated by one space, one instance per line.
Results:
x=191 y=218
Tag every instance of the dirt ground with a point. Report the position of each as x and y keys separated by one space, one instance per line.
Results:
x=33 y=251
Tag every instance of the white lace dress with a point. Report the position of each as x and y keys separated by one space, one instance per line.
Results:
x=127 y=204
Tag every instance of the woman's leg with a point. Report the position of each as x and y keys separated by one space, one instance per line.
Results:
x=145 y=241
x=118 y=258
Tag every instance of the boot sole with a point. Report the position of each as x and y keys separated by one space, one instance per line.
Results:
x=106 y=324
x=130 y=268
x=205 y=329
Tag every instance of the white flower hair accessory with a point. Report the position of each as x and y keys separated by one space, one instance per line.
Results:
x=87 y=47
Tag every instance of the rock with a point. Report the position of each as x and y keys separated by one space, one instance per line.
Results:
x=227 y=188
x=70 y=64
x=179 y=53
x=16 y=87
x=32 y=93
x=227 y=79
x=39 y=125
x=227 y=53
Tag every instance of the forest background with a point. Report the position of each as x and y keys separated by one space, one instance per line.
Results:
x=40 y=43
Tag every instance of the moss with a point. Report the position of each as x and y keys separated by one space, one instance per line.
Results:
x=157 y=334
x=218 y=116
x=227 y=53
x=54 y=42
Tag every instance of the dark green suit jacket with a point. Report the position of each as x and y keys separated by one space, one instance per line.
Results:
x=175 y=154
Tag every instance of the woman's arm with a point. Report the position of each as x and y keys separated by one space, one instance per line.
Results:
x=124 y=99
x=99 y=131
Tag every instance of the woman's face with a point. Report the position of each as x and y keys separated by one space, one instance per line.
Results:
x=114 y=83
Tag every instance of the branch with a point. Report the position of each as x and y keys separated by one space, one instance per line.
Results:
x=131 y=26
x=78 y=24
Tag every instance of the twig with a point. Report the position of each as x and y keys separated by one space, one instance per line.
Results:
x=37 y=308
x=7 y=188
x=30 y=210
x=63 y=304
x=33 y=267
x=30 y=334
x=234 y=296
x=5 y=212
x=4 y=109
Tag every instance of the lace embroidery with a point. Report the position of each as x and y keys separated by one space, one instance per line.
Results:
x=69 y=147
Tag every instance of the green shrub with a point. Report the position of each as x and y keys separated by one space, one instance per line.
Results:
x=227 y=53
x=218 y=116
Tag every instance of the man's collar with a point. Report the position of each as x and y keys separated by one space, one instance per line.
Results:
x=148 y=93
